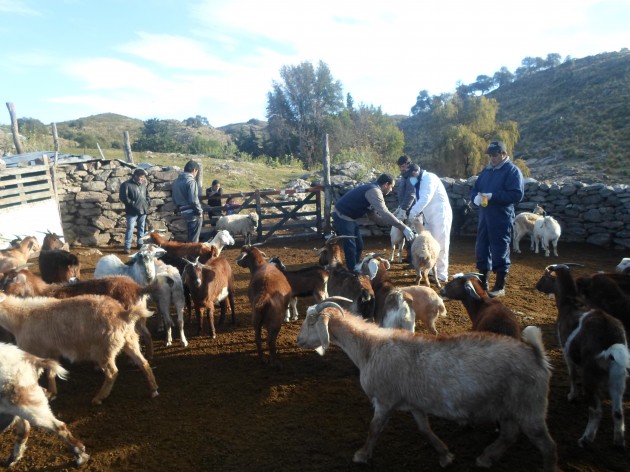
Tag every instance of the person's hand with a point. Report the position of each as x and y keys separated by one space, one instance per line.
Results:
x=477 y=199
x=409 y=235
x=488 y=195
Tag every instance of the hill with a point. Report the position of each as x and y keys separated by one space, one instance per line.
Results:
x=107 y=129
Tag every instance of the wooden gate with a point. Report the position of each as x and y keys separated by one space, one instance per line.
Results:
x=292 y=213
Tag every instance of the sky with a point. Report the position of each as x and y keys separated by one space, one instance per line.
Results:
x=174 y=59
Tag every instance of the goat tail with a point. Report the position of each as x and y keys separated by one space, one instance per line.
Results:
x=139 y=310
x=532 y=335
x=51 y=365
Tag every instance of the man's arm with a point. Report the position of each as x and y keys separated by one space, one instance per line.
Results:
x=377 y=202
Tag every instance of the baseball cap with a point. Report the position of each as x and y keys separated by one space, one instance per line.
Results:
x=496 y=147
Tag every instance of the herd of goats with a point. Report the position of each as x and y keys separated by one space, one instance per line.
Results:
x=495 y=373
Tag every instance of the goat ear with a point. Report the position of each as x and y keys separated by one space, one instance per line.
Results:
x=470 y=290
x=373 y=268
x=322 y=330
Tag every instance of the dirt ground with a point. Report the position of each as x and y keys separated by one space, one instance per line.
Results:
x=219 y=408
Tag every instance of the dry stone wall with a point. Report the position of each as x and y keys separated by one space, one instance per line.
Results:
x=92 y=214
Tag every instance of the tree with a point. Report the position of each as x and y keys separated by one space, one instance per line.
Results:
x=503 y=77
x=155 y=136
x=298 y=106
x=197 y=122
x=423 y=103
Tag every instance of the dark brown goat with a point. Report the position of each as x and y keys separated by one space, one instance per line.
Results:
x=485 y=312
x=56 y=265
x=190 y=251
x=269 y=294
x=208 y=284
x=601 y=291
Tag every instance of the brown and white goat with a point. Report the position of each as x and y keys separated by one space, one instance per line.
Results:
x=187 y=250
x=23 y=401
x=594 y=343
x=602 y=291
x=56 y=265
x=471 y=377
x=84 y=328
x=305 y=282
x=18 y=255
x=344 y=283
x=485 y=312
x=269 y=293
x=209 y=284
x=524 y=225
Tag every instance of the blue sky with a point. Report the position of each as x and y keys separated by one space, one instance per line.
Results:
x=67 y=59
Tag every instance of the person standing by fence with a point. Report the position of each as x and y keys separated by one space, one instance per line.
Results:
x=135 y=196
x=185 y=193
x=214 y=194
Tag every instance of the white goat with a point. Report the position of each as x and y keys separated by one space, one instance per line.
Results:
x=396 y=237
x=424 y=252
x=480 y=377
x=524 y=225
x=141 y=267
x=221 y=239
x=547 y=231
x=397 y=311
x=170 y=291
x=23 y=401
x=245 y=225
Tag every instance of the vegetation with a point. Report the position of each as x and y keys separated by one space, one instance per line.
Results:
x=572 y=112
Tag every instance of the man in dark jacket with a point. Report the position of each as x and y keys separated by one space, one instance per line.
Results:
x=186 y=198
x=135 y=195
x=363 y=200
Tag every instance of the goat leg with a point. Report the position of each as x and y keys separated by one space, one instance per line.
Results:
x=22 y=430
x=446 y=458
x=379 y=420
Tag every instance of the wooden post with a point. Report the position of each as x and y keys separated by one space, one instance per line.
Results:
x=200 y=180
x=128 y=155
x=100 y=151
x=328 y=190
x=14 y=129
x=53 y=168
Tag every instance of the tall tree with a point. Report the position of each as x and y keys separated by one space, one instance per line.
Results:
x=298 y=106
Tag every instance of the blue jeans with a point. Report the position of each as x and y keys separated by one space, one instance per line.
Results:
x=132 y=221
x=352 y=247
x=193 y=223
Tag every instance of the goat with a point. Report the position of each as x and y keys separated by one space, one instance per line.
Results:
x=189 y=250
x=221 y=239
x=595 y=343
x=269 y=293
x=342 y=282
x=19 y=254
x=524 y=225
x=468 y=377
x=601 y=291
x=392 y=307
x=141 y=266
x=170 y=290
x=397 y=237
x=624 y=266
x=56 y=265
x=208 y=284
x=424 y=252
x=305 y=281
x=460 y=215
x=245 y=225
x=84 y=328
x=23 y=401
x=547 y=231
x=426 y=304
x=485 y=312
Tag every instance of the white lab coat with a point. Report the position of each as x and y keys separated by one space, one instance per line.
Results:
x=432 y=200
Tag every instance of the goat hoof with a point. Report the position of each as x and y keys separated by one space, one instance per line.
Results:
x=82 y=458
x=96 y=402
x=482 y=461
x=154 y=394
x=447 y=459
x=361 y=457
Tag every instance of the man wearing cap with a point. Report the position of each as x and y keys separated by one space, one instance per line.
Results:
x=364 y=199
x=499 y=186
x=135 y=195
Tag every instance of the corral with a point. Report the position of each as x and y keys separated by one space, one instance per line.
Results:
x=219 y=408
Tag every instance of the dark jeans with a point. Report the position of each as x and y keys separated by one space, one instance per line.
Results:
x=132 y=222
x=352 y=247
x=193 y=223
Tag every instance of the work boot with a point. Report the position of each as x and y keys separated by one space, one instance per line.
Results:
x=484 y=279
x=499 y=285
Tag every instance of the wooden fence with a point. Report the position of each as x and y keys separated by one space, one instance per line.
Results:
x=293 y=213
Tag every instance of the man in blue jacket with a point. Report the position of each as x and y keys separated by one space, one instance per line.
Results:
x=134 y=194
x=364 y=199
x=499 y=186
x=185 y=194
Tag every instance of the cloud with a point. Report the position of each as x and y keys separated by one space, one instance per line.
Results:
x=18 y=7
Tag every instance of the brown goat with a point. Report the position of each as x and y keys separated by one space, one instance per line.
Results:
x=485 y=312
x=208 y=284
x=56 y=265
x=120 y=287
x=84 y=328
x=190 y=251
x=602 y=291
x=269 y=294
x=18 y=255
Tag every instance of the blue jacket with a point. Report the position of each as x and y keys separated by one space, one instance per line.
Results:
x=505 y=183
x=354 y=204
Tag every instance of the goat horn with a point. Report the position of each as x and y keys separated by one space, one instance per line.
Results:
x=329 y=303
x=256 y=245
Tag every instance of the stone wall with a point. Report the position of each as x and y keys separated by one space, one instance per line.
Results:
x=92 y=214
